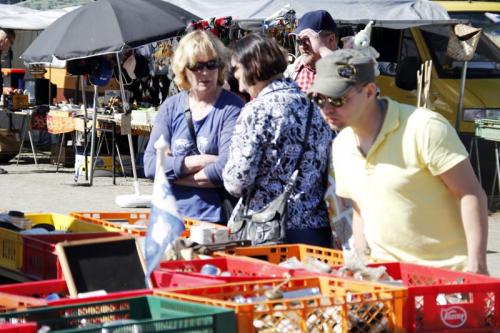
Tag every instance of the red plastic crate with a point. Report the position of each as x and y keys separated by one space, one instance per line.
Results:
x=18 y=328
x=241 y=269
x=479 y=310
x=169 y=279
x=39 y=257
x=38 y=290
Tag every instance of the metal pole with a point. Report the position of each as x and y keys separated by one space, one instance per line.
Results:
x=461 y=97
x=85 y=118
x=129 y=135
x=92 y=143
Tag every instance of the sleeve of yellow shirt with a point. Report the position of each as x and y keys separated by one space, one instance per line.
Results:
x=440 y=145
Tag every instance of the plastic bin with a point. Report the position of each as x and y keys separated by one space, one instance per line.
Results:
x=40 y=290
x=240 y=269
x=125 y=221
x=168 y=279
x=40 y=260
x=278 y=253
x=11 y=242
x=476 y=299
x=139 y=314
x=370 y=305
x=18 y=328
x=9 y=302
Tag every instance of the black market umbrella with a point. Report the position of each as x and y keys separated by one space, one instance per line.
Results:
x=107 y=26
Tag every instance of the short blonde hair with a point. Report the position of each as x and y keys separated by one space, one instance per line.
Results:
x=195 y=44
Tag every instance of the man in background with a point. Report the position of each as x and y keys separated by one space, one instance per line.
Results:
x=7 y=37
x=317 y=37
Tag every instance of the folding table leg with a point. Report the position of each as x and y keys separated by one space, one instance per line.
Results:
x=61 y=136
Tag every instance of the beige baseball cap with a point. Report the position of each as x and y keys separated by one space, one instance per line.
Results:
x=340 y=71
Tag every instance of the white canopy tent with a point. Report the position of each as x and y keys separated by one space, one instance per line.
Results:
x=27 y=23
x=22 y=18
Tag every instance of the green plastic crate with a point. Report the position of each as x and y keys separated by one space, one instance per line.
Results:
x=488 y=129
x=137 y=314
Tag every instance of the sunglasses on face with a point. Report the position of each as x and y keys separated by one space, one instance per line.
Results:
x=302 y=41
x=321 y=100
x=338 y=102
x=200 y=65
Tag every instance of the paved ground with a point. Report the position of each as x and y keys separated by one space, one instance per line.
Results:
x=31 y=189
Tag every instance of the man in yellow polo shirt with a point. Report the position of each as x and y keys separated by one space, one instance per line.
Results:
x=414 y=193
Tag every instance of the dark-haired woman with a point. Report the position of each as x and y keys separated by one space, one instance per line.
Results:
x=268 y=138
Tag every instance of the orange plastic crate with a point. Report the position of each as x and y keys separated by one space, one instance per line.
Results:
x=9 y=302
x=278 y=253
x=371 y=303
x=124 y=221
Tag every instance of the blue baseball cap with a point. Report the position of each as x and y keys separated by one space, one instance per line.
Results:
x=102 y=74
x=317 y=20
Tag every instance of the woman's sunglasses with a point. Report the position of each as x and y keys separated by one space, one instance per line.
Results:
x=200 y=65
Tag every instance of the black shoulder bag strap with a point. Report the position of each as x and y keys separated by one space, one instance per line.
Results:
x=189 y=120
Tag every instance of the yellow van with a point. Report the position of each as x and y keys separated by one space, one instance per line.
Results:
x=403 y=51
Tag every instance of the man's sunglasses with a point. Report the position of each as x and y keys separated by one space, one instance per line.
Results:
x=321 y=100
x=210 y=65
x=338 y=102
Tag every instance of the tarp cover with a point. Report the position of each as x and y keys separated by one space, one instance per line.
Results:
x=17 y=17
x=396 y=14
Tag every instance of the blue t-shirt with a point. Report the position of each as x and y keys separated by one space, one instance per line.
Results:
x=213 y=136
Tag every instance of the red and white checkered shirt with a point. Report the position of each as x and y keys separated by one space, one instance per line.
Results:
x=305 y=77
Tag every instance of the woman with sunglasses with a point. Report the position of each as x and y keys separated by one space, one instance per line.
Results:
x=197 y=124
x=268 y=141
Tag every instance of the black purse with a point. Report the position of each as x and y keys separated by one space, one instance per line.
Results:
x=267 y=226
x=227 y=200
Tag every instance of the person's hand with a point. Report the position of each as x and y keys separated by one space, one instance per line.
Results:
x=310 y=39
x=195 y=163
x=8 y=91
x=208 y=159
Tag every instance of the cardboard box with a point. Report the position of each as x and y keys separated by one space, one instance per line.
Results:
x=59 y=124
x=103 y=166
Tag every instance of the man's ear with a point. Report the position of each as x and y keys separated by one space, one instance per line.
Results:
x=332 y=42
x=371 y=90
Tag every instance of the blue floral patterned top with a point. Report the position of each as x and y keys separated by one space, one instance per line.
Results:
x=266 y=143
